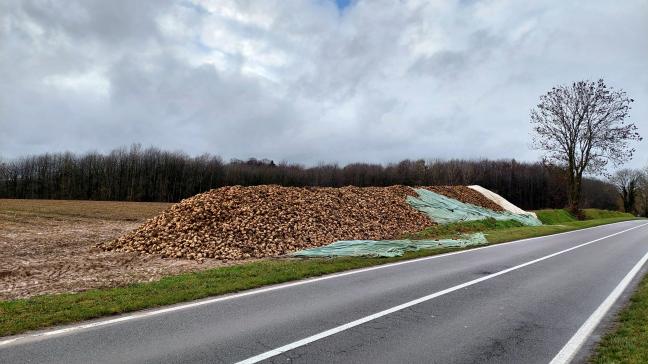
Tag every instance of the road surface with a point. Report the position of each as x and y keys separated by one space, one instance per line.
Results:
x=520 y=302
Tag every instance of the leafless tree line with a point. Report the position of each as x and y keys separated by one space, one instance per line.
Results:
x=137 y=174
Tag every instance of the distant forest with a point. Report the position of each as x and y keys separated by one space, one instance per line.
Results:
x=137 y=174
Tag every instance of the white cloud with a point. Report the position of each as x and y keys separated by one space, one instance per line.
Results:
x=87 y=83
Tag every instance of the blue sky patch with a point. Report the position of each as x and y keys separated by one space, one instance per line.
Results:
x=341 y=4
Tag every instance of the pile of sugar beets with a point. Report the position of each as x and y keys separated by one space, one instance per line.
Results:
x=233 y=223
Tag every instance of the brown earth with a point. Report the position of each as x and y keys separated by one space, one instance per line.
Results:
x=50 y=247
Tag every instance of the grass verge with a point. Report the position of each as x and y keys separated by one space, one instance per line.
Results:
x=559 y=216
x=604 y=214
x=454 y=230
x=628 y=341
x=18 y=316
x=501 y=236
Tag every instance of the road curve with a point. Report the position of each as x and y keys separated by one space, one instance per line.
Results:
x=519 y=302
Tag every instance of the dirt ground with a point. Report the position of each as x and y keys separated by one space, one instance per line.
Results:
x=50 y=247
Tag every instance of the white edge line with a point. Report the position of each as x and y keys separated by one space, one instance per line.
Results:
x=574 y=344
x=335 y=330
x=148 y=313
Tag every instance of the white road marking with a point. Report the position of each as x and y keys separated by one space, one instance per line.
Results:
x=576 y=342
x=155 y=312
x=338 y=329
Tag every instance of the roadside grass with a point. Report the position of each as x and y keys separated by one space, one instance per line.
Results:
x=455 y=229
x=17 y=316
x=604 y=214
x=628 y=341
x=502 y=236
x=554 y=216
x=559 y=216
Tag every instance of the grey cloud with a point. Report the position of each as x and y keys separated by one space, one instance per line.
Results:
x=180 y=104
x=108 y=21
x=301 y=81
x=448 y=63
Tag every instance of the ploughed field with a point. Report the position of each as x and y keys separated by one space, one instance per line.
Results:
x=52 y=246
x=49 y=246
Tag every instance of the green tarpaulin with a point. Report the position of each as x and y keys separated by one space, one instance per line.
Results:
x=386 y=248
x=443 y=210
x=440 y=209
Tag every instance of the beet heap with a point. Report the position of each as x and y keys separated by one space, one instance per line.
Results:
x=232 y=223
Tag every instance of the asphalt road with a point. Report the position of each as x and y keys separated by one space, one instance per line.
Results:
x=518 y=302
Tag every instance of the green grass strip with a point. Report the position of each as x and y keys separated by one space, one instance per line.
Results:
x=555 y=216
x=18 y=316
x=456 y=229
x=628 y=341
x=501 y=236
x=559 y=216
x=604 y=214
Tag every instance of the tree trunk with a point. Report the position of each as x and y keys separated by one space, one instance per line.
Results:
x=574 y=189
x=625 y=198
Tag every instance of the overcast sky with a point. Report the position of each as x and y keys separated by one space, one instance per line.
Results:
x=306 y=81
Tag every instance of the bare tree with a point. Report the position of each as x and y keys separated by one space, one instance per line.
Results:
x=642 y=193
x=627 y=183
x=581 y=128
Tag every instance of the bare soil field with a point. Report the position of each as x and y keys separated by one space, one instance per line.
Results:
x=49 y=246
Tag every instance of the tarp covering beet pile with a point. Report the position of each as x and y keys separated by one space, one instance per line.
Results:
x=440 y=209
x=232 y=223
x=444 y=210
